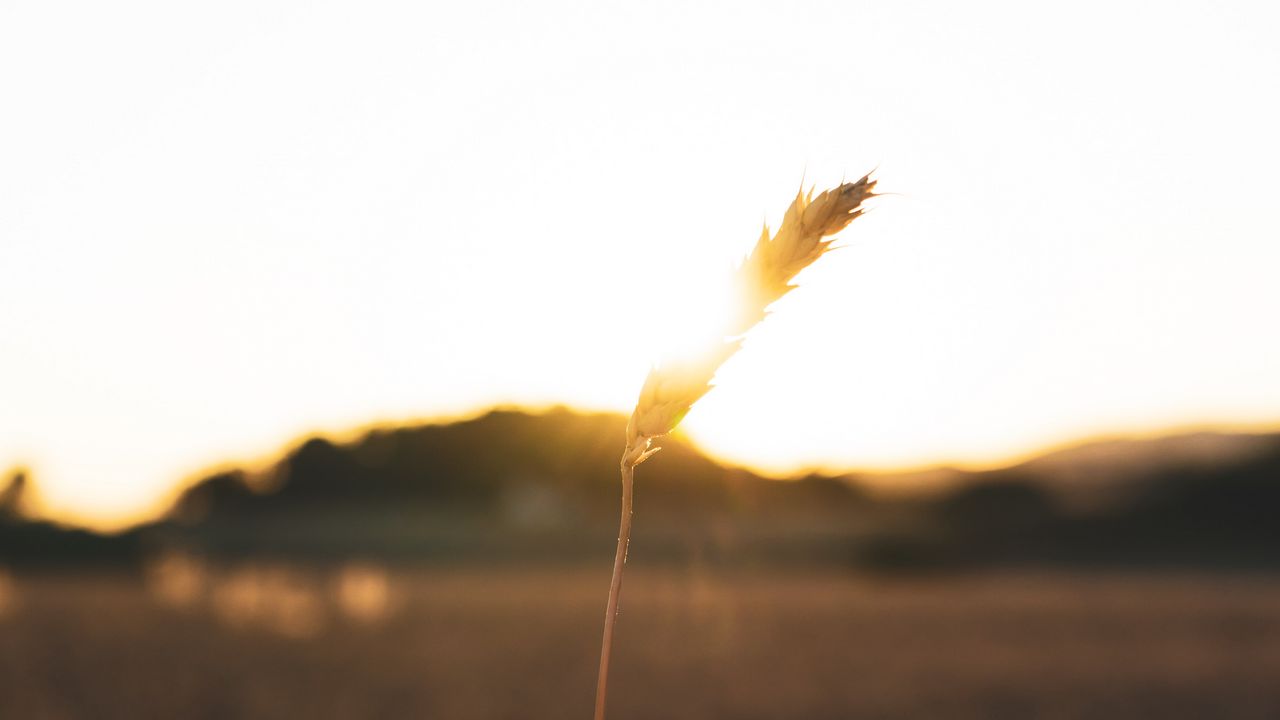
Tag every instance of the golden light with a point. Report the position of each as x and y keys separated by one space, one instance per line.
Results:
x=309 y=220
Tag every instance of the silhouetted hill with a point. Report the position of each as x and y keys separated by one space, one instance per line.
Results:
x=1097 y=471
x=515 y=486
x=1157 y=504
x=494 y=465
x=506 y=483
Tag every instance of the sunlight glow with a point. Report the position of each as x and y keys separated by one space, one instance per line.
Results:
x=222 y=230
x=697 y=311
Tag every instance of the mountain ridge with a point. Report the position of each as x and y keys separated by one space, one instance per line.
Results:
x=510 y=485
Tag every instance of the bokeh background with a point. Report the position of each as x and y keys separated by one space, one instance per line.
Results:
x=319 y=322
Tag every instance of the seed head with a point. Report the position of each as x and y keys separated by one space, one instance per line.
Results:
x=766 y=275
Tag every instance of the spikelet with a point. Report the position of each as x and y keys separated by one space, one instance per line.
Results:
x=766 y=275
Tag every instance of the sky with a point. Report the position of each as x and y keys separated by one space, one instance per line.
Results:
x=227 y=225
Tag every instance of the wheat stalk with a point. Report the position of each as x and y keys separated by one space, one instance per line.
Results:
x=671 y=389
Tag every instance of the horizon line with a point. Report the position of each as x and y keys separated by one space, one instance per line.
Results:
x=852 y=472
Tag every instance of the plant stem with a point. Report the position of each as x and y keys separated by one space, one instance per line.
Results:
x=615 y=586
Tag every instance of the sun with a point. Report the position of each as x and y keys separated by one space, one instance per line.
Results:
x=692 y=316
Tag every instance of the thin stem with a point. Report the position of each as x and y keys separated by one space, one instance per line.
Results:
x=615 y=586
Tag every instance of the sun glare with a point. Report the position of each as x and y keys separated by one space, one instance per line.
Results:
x=699 y=313
x=410 y=224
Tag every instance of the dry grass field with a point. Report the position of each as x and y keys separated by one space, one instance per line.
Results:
x=360 y=642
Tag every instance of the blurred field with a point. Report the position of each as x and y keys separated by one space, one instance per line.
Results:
x=358 y=642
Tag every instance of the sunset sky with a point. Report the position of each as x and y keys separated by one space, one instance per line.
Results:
x=225 y=225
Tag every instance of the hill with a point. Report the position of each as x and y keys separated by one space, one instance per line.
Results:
x=510 y=486
x=506 y=484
